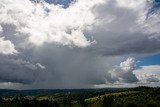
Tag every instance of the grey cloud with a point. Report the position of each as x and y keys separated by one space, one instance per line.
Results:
x=152 y=79
x=123 y=34
x=117 y=32
x=17 y=70
x=69 y=67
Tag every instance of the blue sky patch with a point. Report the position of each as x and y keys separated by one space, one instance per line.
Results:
x=151 y=60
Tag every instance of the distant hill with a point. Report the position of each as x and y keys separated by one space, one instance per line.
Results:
x=41 y=92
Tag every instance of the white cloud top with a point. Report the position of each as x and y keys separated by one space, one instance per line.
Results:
x=43 y=22
x=124 y=72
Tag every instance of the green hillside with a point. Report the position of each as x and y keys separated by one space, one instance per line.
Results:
x=133 y=97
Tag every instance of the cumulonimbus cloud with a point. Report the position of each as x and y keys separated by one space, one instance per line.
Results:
x=77 y=46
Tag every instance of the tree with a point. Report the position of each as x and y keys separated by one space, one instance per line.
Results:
x=152 y=104
x=130 y=104
x=108 y=100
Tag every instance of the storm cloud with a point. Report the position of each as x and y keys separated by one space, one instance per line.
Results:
x=88 y=43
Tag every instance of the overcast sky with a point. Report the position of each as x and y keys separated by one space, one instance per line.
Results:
x=48 y=44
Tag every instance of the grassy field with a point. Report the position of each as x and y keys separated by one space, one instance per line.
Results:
x=117 y=94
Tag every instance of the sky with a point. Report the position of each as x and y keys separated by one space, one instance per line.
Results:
x=70 y=44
